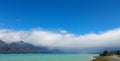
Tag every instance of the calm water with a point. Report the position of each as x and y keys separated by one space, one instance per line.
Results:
x=46 y=57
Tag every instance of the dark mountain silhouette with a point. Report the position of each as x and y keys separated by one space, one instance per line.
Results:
x=2 y=43
x=22 y=47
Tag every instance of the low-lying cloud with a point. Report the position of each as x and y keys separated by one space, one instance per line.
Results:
x=63 y=39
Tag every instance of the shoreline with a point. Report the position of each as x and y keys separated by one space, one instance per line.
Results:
x=101 y=58
x=107 y=58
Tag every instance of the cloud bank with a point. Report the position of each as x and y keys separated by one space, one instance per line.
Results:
x=63 y=39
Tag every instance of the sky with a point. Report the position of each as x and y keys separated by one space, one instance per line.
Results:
x=64 y=22
x=76 y=16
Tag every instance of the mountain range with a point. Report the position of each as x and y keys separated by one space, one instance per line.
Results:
x=22 y=47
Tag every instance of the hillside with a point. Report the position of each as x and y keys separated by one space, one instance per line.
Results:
x=22 y=47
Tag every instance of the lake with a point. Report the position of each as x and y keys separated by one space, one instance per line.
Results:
x=46 y=57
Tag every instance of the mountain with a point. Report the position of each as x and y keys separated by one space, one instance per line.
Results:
x=22 y=47
x=2 y=43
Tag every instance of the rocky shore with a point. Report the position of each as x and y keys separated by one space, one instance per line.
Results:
x=101 y=58
x=108 y=56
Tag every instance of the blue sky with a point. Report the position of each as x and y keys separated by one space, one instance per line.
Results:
x=75 y=16
x=69 y=24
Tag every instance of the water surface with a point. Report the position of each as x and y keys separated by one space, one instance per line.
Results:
x=46 y=57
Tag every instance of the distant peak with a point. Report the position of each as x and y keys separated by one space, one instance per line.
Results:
x=2 y=41
x=21 y=41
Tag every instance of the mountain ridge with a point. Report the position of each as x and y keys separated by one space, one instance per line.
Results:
x=22 y=47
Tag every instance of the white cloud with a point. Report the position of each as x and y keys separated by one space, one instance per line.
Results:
x=63 y=39
x=63 y=32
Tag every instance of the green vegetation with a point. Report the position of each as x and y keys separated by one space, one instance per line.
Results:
x=118 y=52
x=103 y=56
x=107 y=53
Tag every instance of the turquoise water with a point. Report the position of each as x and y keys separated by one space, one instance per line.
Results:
x=46 y=57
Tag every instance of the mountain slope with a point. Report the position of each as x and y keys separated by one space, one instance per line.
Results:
x=21 y=47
